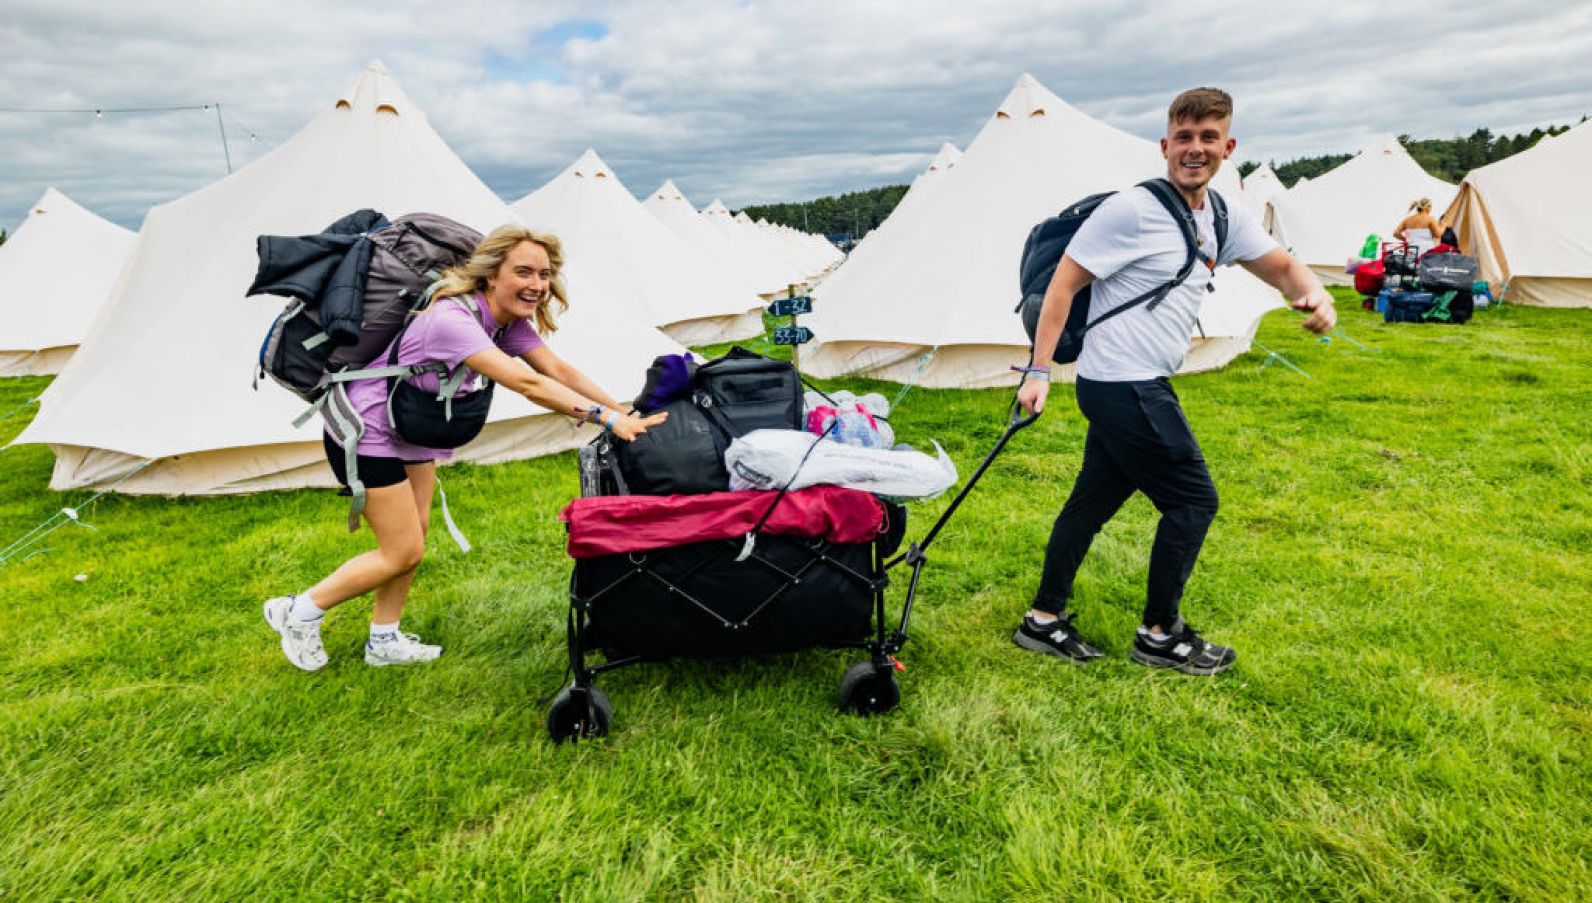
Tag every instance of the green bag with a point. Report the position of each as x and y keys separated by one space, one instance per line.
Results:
x=1372 y=248
x=1439 y=310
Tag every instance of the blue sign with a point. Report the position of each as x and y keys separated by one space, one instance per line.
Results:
x=792 y=335
x=789 y=307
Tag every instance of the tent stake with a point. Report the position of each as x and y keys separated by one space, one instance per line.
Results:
x=1274 y=356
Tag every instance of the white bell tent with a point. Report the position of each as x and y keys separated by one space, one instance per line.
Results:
x=56 y=270
x=930 y=300
x=1259 y=188
x=671 y=208
x=1325 y=221
x=158 y=397
x=774 y=273
x=621 y=260
x=1527 y=220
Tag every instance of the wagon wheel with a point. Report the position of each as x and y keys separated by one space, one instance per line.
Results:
x=869 y=689
x=578 y=713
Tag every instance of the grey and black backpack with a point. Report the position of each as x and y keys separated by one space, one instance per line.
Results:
x=353 y=289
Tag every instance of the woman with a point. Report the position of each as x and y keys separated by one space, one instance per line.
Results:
x=1419 y=229
x=481 y=319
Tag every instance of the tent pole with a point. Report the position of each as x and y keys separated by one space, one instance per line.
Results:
x=224 y=149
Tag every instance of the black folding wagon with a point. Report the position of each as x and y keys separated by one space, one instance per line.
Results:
x=734 y=598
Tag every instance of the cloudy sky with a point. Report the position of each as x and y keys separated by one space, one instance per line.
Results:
x=749 y=101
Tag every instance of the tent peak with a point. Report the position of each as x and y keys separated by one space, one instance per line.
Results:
x=589 y=165
x=374 y=91
x=945 y=159
x=1028 y=99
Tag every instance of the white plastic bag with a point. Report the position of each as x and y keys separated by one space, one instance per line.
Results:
x=767 y=459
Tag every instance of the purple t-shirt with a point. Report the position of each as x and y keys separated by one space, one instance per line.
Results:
x=445 y=333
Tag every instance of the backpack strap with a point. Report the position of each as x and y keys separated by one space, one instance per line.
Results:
x=1169 y=197
x=1163 y=191
x=346 y=428
x=1219 y=215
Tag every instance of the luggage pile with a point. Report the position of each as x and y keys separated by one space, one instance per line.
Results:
x=1438 y=286
x=669 y=563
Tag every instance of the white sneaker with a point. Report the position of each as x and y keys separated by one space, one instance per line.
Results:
x=301 y=640
x=405 y=650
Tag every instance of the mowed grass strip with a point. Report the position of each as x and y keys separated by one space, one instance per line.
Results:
x=1403 y=560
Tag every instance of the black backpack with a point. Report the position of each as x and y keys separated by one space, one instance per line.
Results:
x=1048 y=240
x=729 y=397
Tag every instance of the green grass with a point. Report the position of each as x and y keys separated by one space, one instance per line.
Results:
x=1403 y=559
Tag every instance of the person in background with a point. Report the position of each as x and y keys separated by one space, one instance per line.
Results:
x=481 y=318
x=1419 y=229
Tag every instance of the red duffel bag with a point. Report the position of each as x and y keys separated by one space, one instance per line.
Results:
x=1368 y=278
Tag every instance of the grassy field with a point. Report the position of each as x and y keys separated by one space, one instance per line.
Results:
x=1403 y=560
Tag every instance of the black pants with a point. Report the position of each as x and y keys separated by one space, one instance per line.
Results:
x=1138 y=439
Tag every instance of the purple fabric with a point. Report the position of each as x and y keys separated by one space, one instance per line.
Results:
x=674 y=380
x=445 y=333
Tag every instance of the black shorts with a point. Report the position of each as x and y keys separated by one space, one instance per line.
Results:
x=374 y=471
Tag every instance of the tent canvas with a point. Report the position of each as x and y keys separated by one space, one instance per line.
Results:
x=774 y=273
x=56 y=270
x=1325 y=221
x=671 y=208
x=1259 y=188
x=159 y=393
x=1528 y=221
x=930 y=301
x=615 y=253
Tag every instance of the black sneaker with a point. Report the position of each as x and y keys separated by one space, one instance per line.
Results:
x=1057 y=638
x=1184 y=650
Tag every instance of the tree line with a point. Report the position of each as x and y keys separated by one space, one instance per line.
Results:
x=1449 y=159
x=856 y=213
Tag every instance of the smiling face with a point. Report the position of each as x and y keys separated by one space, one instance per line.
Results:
x=1194 y=150
x=523 y=281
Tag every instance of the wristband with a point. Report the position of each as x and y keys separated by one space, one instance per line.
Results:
x=608 y=423
x=1036 y=372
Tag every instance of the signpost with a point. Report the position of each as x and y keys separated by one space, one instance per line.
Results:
x=792 y=335
x=795 y=336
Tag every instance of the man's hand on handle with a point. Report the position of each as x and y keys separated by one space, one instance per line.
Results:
x=1032 y=393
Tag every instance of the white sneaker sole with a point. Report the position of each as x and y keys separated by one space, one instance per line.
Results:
x=383 y=662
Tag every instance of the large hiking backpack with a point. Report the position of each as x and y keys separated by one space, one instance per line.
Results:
x=729 y=397
x=1048 y=240
x=405 y=258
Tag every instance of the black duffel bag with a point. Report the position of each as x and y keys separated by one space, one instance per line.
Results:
x=1447 y=272
x=729 y=397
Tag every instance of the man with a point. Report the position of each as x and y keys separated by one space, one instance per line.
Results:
x=1138 y=438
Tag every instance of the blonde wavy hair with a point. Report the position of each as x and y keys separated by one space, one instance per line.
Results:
x=1420 y=204
x=483 y=263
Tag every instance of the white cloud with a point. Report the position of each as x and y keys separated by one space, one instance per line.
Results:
x=747 y=101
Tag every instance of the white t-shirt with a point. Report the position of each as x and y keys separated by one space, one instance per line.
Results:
x=1131 y=244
